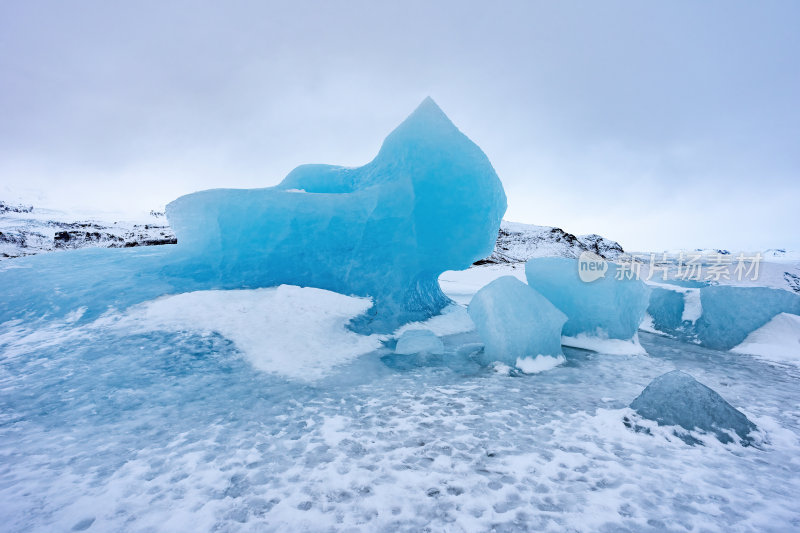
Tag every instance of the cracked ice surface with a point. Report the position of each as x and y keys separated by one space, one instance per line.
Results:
x=113 y=430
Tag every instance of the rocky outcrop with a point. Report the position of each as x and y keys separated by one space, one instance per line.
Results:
x=516 y=243
x=25 y=231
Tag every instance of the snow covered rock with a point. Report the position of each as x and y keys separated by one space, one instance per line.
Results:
x=430 y=201
x=414 y=341
x=515 y=322
x=606 y=308
x=516 y=243
x=730 y=314
x=677 y=399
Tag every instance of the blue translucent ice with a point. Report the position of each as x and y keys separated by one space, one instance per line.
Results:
x=677 y=399
x=419 y=341
x=514 y=321
x=430 y=201
x=666 y=308
x=605 y=307
x=732 y=313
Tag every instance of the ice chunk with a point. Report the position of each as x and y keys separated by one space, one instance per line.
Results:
x=430 y=201
x=677 y=399
x=514 y=321
x=666 y=308
x=730 y=314
x=419 y=341
x=778 y=340
x=605 y=308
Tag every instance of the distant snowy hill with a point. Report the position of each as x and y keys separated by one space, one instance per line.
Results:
x=517 y=243
x=28 y=230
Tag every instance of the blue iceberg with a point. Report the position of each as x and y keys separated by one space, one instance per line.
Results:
x=606 y=307
x=730 y=314
x=430 y=201
x=514 y=322
x=677 y=399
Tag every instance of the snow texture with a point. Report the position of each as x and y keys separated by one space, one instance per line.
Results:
x=677 y=399
x=514 y=321
x=414 y=341
x=430 y=201
x=602 y=344
x=606 y=308
x=540 y=363
x=295 y=332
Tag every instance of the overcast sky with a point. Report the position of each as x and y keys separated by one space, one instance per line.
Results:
x=657 y=124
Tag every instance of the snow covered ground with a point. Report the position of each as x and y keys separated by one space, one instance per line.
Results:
x=158 y=418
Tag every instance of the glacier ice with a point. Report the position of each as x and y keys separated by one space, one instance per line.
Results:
x=666 y=309
x=430 y=201
x=718 y=316
x=606 y=308
x=730 y=314
x=778 y=340
x=514 y=322
x=418 y=341
x=677 y=399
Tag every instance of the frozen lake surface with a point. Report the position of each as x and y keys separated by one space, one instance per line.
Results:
x=108 y=430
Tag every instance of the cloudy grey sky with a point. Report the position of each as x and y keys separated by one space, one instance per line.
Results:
x=661 y=125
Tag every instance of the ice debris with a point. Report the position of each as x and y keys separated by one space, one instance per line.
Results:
x=730 y=314
x=414 y=341
x=514 y=321
x=607 y=307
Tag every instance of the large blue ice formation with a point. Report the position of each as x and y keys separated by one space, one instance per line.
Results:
x=732 y=313
x=430 y=201
x=514 y=321
x=603 y=307
x=677 y=399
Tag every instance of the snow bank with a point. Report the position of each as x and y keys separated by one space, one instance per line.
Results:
x=297 y=332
